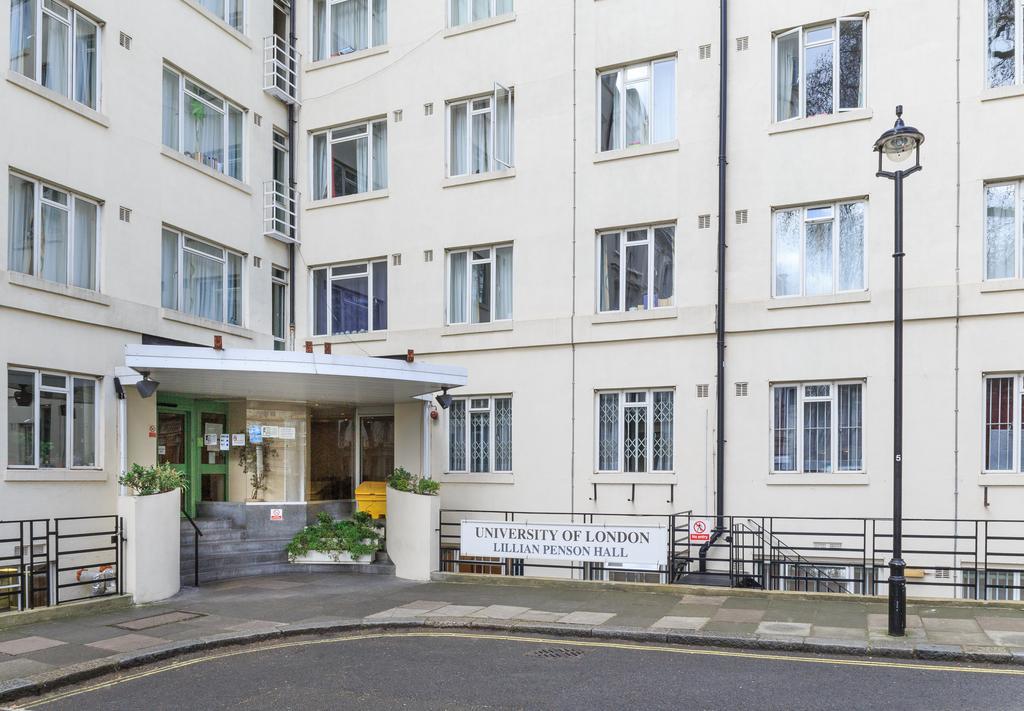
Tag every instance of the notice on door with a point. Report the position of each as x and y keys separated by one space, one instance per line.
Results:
x=626 y=545
x=700 y=530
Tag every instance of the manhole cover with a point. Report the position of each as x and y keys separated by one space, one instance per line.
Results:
x=557 y=652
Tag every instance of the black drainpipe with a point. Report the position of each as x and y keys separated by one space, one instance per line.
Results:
x=294 y=216
x=720 y=309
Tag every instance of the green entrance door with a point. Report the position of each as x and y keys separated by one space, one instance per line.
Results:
x=189 y=438
x=172 y=438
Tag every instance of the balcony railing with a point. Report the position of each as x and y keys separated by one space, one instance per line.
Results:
x=281 y=69
x=279 y=211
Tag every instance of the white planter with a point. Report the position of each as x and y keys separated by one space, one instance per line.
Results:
x=412 y=540
x=152 y=554
x=343 y=558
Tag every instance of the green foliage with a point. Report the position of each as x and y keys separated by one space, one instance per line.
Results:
x=357 y=537
x=249 y=458
x=146 y=481
x=402 y=480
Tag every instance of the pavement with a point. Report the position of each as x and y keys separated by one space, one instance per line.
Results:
x=43 y=655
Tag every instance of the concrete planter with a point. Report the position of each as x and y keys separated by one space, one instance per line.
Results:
x=151 y=553
x=342 y=558
x=412 y=541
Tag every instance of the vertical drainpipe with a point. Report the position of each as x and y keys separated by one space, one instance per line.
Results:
x=294 y=216
x=720 y=309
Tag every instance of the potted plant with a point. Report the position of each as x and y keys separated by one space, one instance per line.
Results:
x=198 y=112
x=413 y=506
x=352 y=540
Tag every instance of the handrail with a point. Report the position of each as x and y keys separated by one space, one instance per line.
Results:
x=777 y=544
x=195 y=542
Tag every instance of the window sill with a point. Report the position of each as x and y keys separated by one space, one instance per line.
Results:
x=817 y=121
x=1002 y=92
x=659 y=312
x=345 y=58
x=794 y=302
x=460 y=329
x=997 y=285
x=1000 y=479
x=59 y=99
x=196 y=165
x=478 y=178
x=61 y=475
x=341 y=339
x=836 y=479
x=635 y=151
x=179 y=317
x=348 y=199
x=219 y=22
x=464 y=478
x=74 y=292
x=663 y=478
x=479 y=25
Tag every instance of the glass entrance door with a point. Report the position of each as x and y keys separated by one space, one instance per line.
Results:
x=172 y=438
x=376 y=447
x=213 y=460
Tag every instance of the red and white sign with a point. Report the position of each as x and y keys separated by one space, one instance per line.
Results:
x=700 y=530
x=277 y=514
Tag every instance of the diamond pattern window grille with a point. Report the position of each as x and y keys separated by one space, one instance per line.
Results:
x=662 y=431
x=503 y=434
x=480 y=441
x=457 y=436
x=608 y=432
x=634 y=446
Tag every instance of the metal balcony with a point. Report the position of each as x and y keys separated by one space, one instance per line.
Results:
x=279 y=211
x=281 y=69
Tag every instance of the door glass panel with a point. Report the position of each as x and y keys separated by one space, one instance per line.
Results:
x=170 y=438
x=377 y=447
x=333 y=457
x=214 y=424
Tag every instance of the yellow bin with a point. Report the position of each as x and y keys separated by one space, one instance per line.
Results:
x=371 y=497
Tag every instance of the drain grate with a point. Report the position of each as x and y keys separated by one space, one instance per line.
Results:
x=557 y=652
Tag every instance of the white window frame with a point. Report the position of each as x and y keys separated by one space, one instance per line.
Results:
x=674 y=59
x=1015 y=423
x=224 y=18
x=326 y=36
x=834 y=219
x=1018 y=229
x=492 y=13
x=496 y=164
x=1018 y=38
x=69 y=428
x=650 y=242
x=37 y=228
x=802 y=31
x=492 y=433
x=279 y=278
x=185 y=96
x=328 y=134
x=833 y=397
x=371 y=325
x=491 y=259
x=648 y=405
x=182 y=248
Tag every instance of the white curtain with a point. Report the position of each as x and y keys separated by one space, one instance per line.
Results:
x=664 y=109
x=349 y=25
x=502 y=7
x=23 y=19
x=380 y=155
x=84 y=423
x=236 y=152
x=83 y=266
x=610 y=109
x=204 y=133
x=319 y=29
x=481 y=142
x=503 y=126
x=53 y=258
x=1000 y=201
x=787 y=76
x=457 y=295
x=459 y=161
x=20 y=223
x=169 y=270
x=380 y=22
x=458 y=12
x=170 y=109
x=85 y=62
x=481 y=9
x=503 y=286
x=851 y=247
x=638 y=114
x=321 y=167
x=234 y=314
x=55 y=55
x=203 y=286
x=787 y=252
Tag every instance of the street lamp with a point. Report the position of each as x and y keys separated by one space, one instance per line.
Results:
x=897 y=144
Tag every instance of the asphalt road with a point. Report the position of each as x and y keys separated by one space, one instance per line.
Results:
x=463 y=670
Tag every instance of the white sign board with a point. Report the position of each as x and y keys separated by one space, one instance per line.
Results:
x=277 y=514
x=238 y=440
x=700 y=530
x=626 y=545
x=286 y=432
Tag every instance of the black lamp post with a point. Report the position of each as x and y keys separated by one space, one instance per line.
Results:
x=897 y=144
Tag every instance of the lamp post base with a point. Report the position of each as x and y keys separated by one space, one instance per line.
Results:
x=897 y=598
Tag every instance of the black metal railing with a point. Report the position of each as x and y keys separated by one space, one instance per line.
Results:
x=195 y=542
x=87 y=551
x=24 y=564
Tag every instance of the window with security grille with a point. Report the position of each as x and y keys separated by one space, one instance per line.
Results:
x=817 y=428
x=480 y=434
x=1004 y=424
x=635 y=431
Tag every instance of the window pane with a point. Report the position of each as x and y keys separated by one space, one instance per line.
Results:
x=54 y=49
x=851 y=246
x=170 y=109
x=235 y=289
x=84 y=434
x=202 y=286
x=20 y=223
x=481 y=9
x=851 y=450
x=636 y=277
x=380 y=22
x=169 y=270
x=503 y=283
x=480 y=441
x=502 y=7
x=818 y=256
x=321 y=166
x=609 y=277
x=638 y=112
x=503 y=126
x=664 y=101
x=634 y=445
x=349 y=159
x=1002 y=37
x=349 y=26
x=53 y=257
x=236 y=148
x=380 y=296
x=349 y=305
x=784 y=456
x=319 y=29
x=1000 y=228
x=320 y=310
x=851 y=64
x=236 y=14
x=611 y=89
x=204 y=134
x=999 y=424
x=457 y=288
x=457 y=436
x=23 y=36
x=481 y=148
x=21 y=423
x=662 y=430
x=83 y=268
x=818 y=74
x=86 y=37
x=818 y=436
x=480 y=304
x=278 y=294
x=214 y=6
x=787 y=252
x=787 y=76
x=664 y=273
x=458 y=161
x=502 y=434
x=380 y=155
x=53 y=436
x=458 y=12
x=608 y=432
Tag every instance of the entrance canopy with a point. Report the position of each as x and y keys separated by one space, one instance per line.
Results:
x=288 y=375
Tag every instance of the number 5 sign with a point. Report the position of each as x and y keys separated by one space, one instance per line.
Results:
x=700 y=530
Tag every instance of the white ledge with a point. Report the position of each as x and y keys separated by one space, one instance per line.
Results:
x=345 y=58
x=219 y=22
x=479 y=25
x=74 y=292
x=348 y=199
x=205 y=170
x=834 y=479
x=464 y=478
x=659 y=312
x=793 y=302
x=57 y=98
x=628 y=479
x=1001 y=92
x=59 y=475
x=459 y=329
x=997 y=285
x=478 y=178
x=1000 y=479
x=180 y=317
x=799 y=124
x=636 y=151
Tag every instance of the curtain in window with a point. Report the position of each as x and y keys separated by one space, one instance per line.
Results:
x=611 y=89
x=634 y=444
x=610 y=271
x=202 y=286
x=214 y=6
x=350 y=166
x=349 y=24
x=784 y=454
x=818 y=258
x=662 y=430
x=170 y=109
x=236 y=126
x=459 y=158
x=851 y=449
x=83 y=438
x=236 y=14
x=480 y=296
x=481 y=149
x=481 y=9
x=169 y=270
x=83 y=267
x=851 y=64
x=664 y=259
x=20 y=223
x=458 y=12
x=1002 y=38
x=638 y=108
x=787 y=252
x=380 y=296
x=53 y=438
x=321 y=166
x=636 y=273
x=85 y=61
x=55 y=55
x=319 y=29
x=851 y=247
x=457 y=288
x=999 y=424
x=787 y=76
x=456 y=436
x=21 y=423
x=53 y=256
x=204 y=133
x=480 y=442
x=1000 y=230
x=503 y=283
x=502 y=7
x=350 y=305
x=608 y=432
x=380 y=22
x=664 y=101
x=502 y=434
x=23 y=37
x=320 y=310
x=235 y=289
x=380 y=155
x=818 y=436
x=503 y=126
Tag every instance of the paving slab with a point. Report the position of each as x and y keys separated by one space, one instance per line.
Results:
x=801 y=629
x=29 y=644
x=540 y=616
x=581 y=617
x=827 y=632
x=127 y=643
x=16 y=668
x=1006 y=639
x=1002 y=624
x=500 y=612
x=732 y=614
x=680 y=623
x=454 y=611
x=145 y=623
